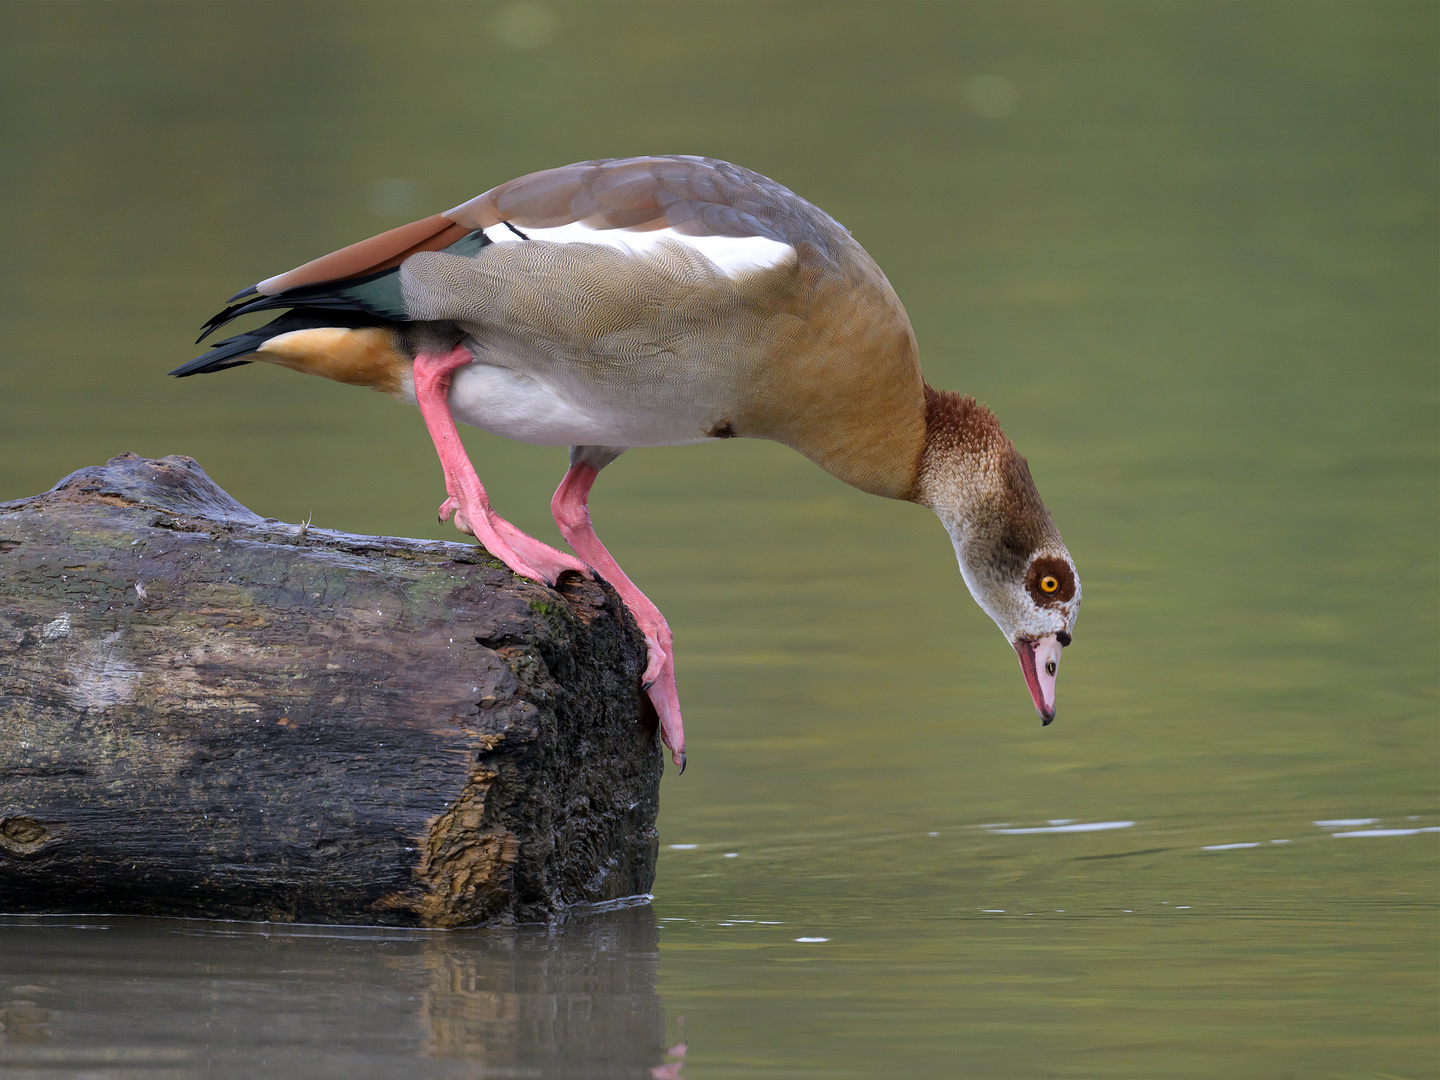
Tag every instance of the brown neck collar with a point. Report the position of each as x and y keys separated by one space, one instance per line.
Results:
x=961 y=436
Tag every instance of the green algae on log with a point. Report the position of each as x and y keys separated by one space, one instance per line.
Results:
x=203 y=712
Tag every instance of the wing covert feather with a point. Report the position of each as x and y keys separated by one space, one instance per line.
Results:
x=379 y=252
x=691 y=195
x=697 y=196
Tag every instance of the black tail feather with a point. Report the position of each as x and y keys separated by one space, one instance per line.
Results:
x=234 y=351
x=218 y=320
x=376 y=294
x=231 y=310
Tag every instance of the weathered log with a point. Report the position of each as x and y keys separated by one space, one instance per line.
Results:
x=207 y=713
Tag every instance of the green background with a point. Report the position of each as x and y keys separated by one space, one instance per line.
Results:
x=1187 y=252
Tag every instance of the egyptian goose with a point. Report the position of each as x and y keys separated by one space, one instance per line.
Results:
x=652 y=302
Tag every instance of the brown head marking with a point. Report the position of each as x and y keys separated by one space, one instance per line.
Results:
x=1050 y=581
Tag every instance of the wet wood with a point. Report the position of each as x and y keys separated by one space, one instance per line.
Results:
x=207 y=713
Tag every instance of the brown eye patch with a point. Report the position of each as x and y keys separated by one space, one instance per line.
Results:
x=1050 y=581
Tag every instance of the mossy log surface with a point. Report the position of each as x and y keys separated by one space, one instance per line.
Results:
x=203 y=712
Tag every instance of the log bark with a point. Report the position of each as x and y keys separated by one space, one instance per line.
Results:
x=203 y=712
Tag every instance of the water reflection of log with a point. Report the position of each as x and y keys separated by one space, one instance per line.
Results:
x=579 y=1002
x=185 y=998
x=207 y=713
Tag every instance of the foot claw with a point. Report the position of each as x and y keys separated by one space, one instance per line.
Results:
x=681 y=763
x=542 y=556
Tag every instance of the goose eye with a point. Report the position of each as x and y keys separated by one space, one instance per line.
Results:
x=1049 y=583
x=1050 y=667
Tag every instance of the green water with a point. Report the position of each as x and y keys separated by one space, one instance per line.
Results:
x=1187 y=252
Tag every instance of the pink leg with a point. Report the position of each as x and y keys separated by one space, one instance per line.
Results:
x=670 y=1070
x=519 y=551
x=571 y=507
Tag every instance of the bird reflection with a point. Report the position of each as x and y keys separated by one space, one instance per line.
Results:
x=671 y=1069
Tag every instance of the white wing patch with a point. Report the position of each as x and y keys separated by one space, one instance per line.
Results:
x=734 y=256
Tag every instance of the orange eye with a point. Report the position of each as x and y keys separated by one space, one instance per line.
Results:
x=1048 y=583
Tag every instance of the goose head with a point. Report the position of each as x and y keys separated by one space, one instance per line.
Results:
x=1010 y=552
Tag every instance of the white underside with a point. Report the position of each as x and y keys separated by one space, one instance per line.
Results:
x=517 y=406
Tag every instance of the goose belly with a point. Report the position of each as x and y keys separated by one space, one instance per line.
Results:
x=520 y=406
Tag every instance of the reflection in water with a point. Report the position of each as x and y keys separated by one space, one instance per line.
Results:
x=675 y=1057
x=583 y=995
x=577 y=999
x=1059 y=826
x=1339 y=827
